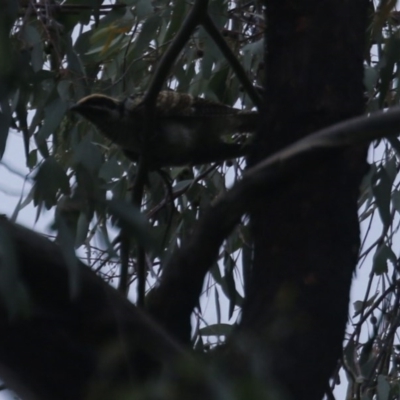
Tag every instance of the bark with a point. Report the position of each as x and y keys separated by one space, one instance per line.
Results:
x=63 y=348
x=306 y=233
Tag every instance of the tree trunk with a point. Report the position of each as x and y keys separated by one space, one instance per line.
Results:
x=306 y=233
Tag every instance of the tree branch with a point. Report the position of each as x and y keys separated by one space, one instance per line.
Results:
x=214 y=33
x=193 y=19
x=173 y=301
x=60 y=347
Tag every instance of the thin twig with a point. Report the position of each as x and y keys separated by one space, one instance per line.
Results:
x=221 y=218
x=212 y=30
x=193 y=19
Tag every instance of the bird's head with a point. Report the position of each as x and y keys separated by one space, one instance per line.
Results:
x=113 y=118
x=98 y=109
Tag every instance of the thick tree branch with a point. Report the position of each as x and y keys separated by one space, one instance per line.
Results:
x=101 y=314
x=79 y=331
x=174 y=300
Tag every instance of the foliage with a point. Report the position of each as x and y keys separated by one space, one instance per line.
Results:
x=58 y=53
x=370 y=358
x=67 y=51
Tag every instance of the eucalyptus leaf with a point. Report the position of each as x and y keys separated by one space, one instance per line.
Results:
x=371 y=77
x=143 y=8
x=54 y=113
x=178 y=14
x=5 y=122
x=74 y=62
x=350 y=358
x=32 y=159
x=66 y=242
x=216 y=330
x=396 y=200
x=217 y=305
x=33 y=37
x=50 y=181
x=381 y=257
x=390 y=58
x=146 y=35
x=88 y=155
x=132 y=220
x=382 y=191
x=110 y=170
x=383 y=388
x=230 y=285
x=82 y=229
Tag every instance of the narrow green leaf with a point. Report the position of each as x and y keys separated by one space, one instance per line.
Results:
x=22 y=204
x=390 y=57
x=381 y=257
x=383 y=388
x=132 y=220
x=53 y=114
x=73 y=61
x=216 y=330
x=229 y=280
x=382 y=192
x=247 y=265
x=105 y=242
x=396 y=200
x=176 y=20
x=371 y=77
x=361 y=305
x=50 y=180
x=82 y=229
x=66 y=241
x=5 y=122
x=63 y=89
x=358 y=306
x=37 y=57
x=217 y=305
x=251 y=51
x=395 y=144
x=199 y=346
x=182 y=185
x=32 y=37
x=143 y=8
x=216 y=273
x=88 y=155
x=32 y=159
x=147 y=34
x=391 y=169
x=350 y=358
x=206 y=65
x=110 y=169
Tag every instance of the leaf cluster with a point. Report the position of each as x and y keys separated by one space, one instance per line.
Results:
x=53 y=54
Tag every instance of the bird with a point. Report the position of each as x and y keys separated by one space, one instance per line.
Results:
x=187 y=130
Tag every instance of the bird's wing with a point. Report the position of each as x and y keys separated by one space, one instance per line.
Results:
x=174 y=104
